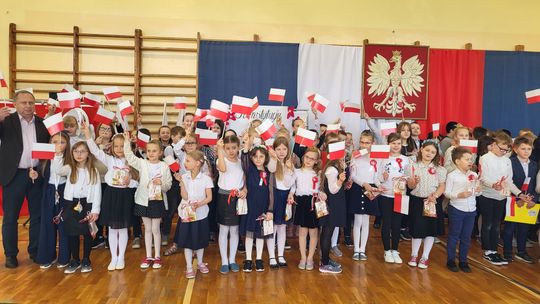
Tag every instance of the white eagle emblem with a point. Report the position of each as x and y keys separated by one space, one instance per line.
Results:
x=394 y=83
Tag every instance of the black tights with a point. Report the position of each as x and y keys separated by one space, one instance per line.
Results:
x=326 y=240
x=75 y=244
x=391 y=223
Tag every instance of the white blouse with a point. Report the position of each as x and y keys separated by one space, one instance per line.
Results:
x=233 y=178
x=56 y=165
x=431 y=177
x=288 y=176
x=196 y=189
x=306 y=182
x=395 y=167
x=364 y=170
x=117 y=168
x=82 y=188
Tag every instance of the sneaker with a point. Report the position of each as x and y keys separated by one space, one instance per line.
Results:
x=241 y=247
x=508 y=257
x=62 y=266
x=136 y=244
x=120 y=264
x=203 y=268
x=224 y=269
x=157 y=263
x=524 y=257
x=309 y=266
x=259 y=265
x=452 y=266
x=492 y=258
x=423 y=264
x=164 y=240
x=248 y=266
x=404 y=235
x=504 y=260
x=273 y=263
x=335 y=251
x=234 y=267
x=464 y=266
x=334 y=263
x=363 y=256
x=146 y=263
x=437 y=240
x=86 y=268
x=72 y=267
x=329 y=269
x=98 y=242
x=413 y=261
x=302 y=265
x=356 y=256
x=112 y=265
x=348 y=242
x=397 y=258
x=190 y=274
x=529 y=244
x=282 y=262
x=388 y=257
x=46 y=266
x=287 y=245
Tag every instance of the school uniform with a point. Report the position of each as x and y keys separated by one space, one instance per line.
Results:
x=363 y=171
x=305 y=189
x=194 y=235
x=231 y=180
x=281 y=191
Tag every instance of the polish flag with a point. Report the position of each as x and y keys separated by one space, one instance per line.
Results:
x=199 y=114
x=103 y=116
x=276 y=95
x=319 y=103
x=69 y=100
x=219 y=110
x=469 y=144
x=380 y=151
x=179 y=103
x=68 y=88
x=332 y=128
x=172 y=163
x=206 y=137
x=401 y=203
x=350 y=107
x=336 y=150
x=533 y=96
x=310 y=97
x=210 y=121
x=305 y=137
x=358 y=154
x=435 y=128
x=511 y=206
x=112 y=93
x=242 y=105
x=142 y=139
x=43 y=151
x=387 y=128
x=92 y=100
x=266 y=129
x=525 y=186
x=125 y=108
x=54 y=123
x=3 y=82
x=255 y=104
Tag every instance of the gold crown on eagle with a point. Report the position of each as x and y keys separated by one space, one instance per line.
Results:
x=396 y=53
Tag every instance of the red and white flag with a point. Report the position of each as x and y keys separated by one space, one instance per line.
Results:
x=255 y=104
x=112 y=93
x=69 y=100
x=179 y=103
x=469 y=144
x=3 y=82
x=206 y=137
x=359 y=153
x=142 y=139
x=380 y=151
x=43 y=151
x=350 y=107
x=435 y=129
x=387 y=128
x=336 y=150
x=125 y=108
x=199 y=114
x=172 y=163
x=533 y=96
x=310 y=96
x=266 y=129
x=511 y=206
x=219 y=110
x=525 y=186
x=276 y=95
x=319 y=103
x=68 y=88
x=54 y=123
x=103 y=116
x=242 y=105
x=305 y=137
x=332 y=128
x=92 y=100
x=401 y=203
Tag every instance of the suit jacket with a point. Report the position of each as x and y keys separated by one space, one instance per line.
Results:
x=518 y=175
x=12 y=144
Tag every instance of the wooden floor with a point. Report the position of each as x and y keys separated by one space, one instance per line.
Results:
x=372 y=281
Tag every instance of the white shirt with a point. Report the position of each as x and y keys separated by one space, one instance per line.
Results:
x=196 y=189
x=306 y=182
x=364 y=170
x=28 y=130
x=431 y=177
x=82 y=188
x=288 y=176
x=331 y=175
x=233 y=178
x=493 y=169
x=116 y=167
x=394 y=170
x=457 y=182
x=56 y=165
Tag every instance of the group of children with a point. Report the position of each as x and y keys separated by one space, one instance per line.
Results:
x=242 y=188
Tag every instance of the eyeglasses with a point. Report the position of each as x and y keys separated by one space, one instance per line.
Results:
x=190 y=143
x=105 y=129
x=310 y=158
x=503 y=150
x=79 y=151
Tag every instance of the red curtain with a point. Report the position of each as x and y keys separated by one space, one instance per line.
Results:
x=456 y=83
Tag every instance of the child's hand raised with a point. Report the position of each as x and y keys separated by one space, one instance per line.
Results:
x=220 y=143
x=126 y=136
x=272 y=153
x=85 y=130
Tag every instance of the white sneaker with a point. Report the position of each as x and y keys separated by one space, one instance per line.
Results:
x=397 y=258
x=388 y=257
x=112 y=265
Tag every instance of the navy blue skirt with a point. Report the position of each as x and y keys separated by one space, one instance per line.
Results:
x=360 y=204
x=193 y=235
x=280 y=203
x=117 y=207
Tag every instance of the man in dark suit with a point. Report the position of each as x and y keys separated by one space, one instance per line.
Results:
x=18 y=132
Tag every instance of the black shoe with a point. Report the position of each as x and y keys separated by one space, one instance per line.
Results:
x=503 y=261
x=452 y=266
x=241 y=247
x=377 y=225
x=464 y=266
x=287 y=245
x=11 y=262
x=98 y=242
x=280 y=263
x=33 y=258
x=524 y=257
x=248 y=266
x=404 y=235
x=508 y=257
x=259 y=265
x=348 y=242
x=273 y=263
x=493 y=259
